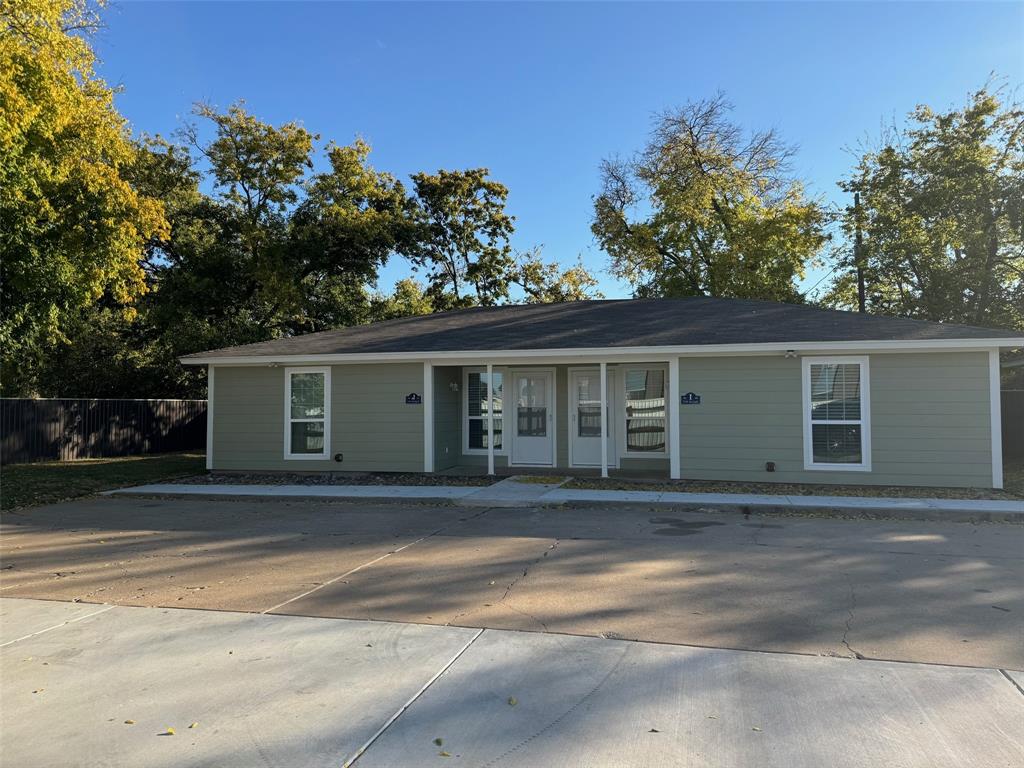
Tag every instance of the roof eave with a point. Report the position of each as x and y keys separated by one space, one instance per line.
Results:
x=606 y=353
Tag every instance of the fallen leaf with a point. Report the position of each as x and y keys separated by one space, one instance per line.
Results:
x=194 y=725
x=442 y=753
x=129 y=722
x=755 y=728
x=712 y=717
x=168 y=732
x=512 y=701
x=654 y=730
x=39 y=690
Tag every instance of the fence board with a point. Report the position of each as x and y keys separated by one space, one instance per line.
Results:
x=1013 y=423
x=66 y=429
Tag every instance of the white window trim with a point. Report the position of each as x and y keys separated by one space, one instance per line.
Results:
x=288 y=372
x=623 y=443
x=503 y=451
x=865 y=413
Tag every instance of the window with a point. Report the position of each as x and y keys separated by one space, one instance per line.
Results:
x=645 y=410
x=307 y=413
x=475 y=410
x=837 y=430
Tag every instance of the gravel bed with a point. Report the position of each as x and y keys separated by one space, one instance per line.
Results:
x=788 y=489
x=331 y=478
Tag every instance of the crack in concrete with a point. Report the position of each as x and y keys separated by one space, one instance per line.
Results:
x=754 y=536
x=526 y=570
x=849 y=619
x=508 y=591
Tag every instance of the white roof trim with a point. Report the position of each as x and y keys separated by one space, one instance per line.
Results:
x=610 y=354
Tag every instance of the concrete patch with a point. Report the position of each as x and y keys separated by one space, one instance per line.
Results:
x=587 y=702
x=264 y=690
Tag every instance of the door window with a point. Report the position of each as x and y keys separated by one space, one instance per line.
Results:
x=532 y=406
x=588 y=406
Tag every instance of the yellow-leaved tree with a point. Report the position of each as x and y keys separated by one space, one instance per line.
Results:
x=71 y=227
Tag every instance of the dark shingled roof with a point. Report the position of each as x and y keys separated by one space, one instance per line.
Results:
x=612 y=323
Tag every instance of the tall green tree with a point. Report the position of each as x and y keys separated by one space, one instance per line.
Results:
x=942 y=217
x=276 y=250
x=463 y=237
x=72 y=228
x=708 y=209
x=549 y=282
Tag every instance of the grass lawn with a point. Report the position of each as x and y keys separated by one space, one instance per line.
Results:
x=24 y=485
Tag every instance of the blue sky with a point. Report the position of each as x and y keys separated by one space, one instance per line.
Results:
x=539 y=93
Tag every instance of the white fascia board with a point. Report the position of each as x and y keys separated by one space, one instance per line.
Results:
x=618 y=354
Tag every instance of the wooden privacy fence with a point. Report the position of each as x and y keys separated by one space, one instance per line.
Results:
x=1013 y=423
x=65 y=430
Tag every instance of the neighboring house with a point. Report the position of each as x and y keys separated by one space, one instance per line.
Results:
x=699 y=388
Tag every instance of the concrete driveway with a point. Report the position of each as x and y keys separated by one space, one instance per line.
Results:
x=902 y=590
x=89 y=685
x=444 y=674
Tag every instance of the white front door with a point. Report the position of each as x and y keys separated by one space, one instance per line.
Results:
x=533 y=423
x=585 y=418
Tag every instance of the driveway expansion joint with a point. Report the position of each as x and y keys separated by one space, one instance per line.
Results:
x=1013 y=682
x=401 y=710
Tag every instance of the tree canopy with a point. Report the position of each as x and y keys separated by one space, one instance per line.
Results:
x=463 y=238
x=708 y=209
x=71 y=224
x=942 y=217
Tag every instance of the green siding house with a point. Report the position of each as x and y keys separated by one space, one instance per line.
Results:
x=698 y=388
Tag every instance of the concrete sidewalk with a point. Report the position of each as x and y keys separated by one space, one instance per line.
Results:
x=515 y=493
x=99 y=685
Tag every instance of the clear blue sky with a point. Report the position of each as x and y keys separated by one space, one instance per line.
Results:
x=539 y=93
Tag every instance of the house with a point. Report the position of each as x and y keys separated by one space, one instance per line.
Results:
x=695 y=388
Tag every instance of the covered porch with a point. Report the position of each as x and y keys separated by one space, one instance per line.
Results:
x=583 y=417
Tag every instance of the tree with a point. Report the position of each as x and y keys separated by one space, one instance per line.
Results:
x=72 y=228
x=408 y=300
x=463 y=235
x=547 y=283
x=942 y=217
x=276 y=250
x=706 y=209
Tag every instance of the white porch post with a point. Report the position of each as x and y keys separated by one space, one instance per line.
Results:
x=490 y=420
x=604 y=419
x=428 y=416
x=996 y=422
x=209 y=417
x=672 y=414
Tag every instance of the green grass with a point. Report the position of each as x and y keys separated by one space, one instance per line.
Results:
x=26 y=485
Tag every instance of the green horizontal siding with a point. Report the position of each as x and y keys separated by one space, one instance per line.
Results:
x=371 y=426
x=930 y=422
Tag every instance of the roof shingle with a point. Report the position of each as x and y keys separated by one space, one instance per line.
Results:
x=610 y=323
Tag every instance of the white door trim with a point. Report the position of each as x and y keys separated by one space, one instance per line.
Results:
x=513 y=373
x=570 y=401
